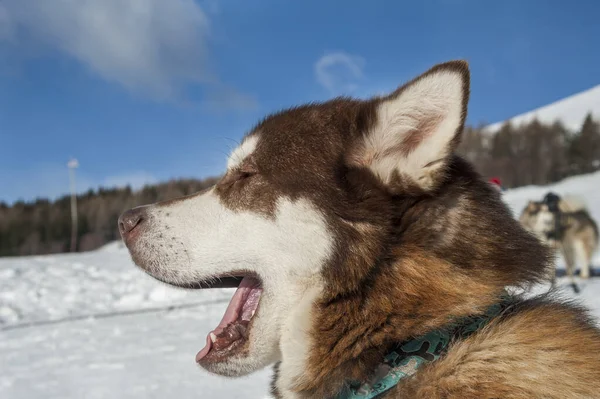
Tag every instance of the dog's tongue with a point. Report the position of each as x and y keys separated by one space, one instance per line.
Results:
x=233 y=325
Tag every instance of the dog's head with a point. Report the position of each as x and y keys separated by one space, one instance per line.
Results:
x=537 y=218
x=533 y=207
x=307 y=189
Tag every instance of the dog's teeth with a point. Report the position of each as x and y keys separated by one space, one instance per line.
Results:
x=213 y=337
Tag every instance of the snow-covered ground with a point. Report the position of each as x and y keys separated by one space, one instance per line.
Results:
x=94 y=326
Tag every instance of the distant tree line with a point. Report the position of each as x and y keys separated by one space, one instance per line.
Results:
x=43 y=227
x=534 y=153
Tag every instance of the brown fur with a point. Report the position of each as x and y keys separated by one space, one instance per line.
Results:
x=408 y=257
x=443 y=262
x=539 y=349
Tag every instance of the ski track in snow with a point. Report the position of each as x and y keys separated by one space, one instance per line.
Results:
x=145 y=355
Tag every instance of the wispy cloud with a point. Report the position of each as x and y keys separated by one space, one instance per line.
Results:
x=224 y=97
x=6 y=28
x=339 y=72
x=151 y=47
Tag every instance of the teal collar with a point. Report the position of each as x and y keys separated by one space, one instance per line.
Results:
x=406 y=357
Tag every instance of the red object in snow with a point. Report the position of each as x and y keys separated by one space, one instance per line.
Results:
x=496 y=182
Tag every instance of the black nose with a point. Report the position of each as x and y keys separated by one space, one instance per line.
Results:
x=130 y=219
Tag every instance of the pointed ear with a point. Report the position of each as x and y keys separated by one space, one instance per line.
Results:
x=413 y=132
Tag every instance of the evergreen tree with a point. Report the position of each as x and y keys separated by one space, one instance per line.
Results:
x=584 y=149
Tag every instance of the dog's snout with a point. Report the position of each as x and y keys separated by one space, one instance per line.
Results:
x=130 y=219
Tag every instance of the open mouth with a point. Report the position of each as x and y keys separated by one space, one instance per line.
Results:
x=230 y=337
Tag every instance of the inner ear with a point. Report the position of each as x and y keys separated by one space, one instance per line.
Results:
x=413 y=132
x=422 y=130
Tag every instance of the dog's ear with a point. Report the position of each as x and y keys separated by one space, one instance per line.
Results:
x=411 y=133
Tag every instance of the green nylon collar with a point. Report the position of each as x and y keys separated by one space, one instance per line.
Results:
x=407 y=357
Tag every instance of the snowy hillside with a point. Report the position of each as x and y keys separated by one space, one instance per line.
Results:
x=571 y=111
x=93 y=326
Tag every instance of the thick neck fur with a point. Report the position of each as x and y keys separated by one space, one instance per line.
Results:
x=439 y=256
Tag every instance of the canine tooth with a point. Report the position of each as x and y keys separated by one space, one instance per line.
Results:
x=213 y=337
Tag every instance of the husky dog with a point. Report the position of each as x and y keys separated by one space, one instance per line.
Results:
x=570 y=229
x=369 y=259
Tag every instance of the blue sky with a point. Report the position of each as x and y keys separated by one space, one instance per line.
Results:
x=149 y=90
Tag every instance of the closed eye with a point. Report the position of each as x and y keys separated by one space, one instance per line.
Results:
x=235 y=177
x=247 y=170
x=239 y=174
x=244 y=175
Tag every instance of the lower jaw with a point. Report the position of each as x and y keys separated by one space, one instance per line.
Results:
x=227 y=368
x=237 y=348
x=236 y=364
